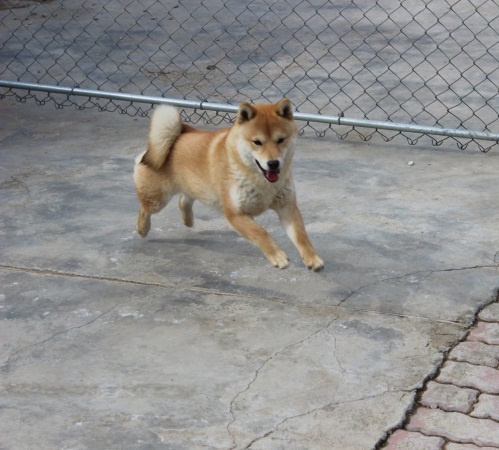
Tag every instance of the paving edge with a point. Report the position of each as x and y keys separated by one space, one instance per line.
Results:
x=411 y=410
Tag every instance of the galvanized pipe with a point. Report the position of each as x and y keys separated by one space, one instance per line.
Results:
x=218 y=107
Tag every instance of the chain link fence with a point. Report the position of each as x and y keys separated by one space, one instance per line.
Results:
x=391 y=67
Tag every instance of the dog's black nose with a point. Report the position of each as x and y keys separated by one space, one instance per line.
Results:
x=273 y=165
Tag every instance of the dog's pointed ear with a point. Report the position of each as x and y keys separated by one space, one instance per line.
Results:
x=245 y=113
x=285 y=109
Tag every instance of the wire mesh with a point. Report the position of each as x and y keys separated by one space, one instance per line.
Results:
x=425 y=62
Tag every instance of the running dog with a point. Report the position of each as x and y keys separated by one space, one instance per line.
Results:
x=241 y=171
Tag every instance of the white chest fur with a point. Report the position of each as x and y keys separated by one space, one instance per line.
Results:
x=253 y=198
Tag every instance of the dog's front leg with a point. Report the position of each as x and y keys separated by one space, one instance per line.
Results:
x=292 y=221
x=249 y=229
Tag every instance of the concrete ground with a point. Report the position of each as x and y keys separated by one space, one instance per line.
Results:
x=188 y=339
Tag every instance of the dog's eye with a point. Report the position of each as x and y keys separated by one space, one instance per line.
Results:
x=281 y=140
x=257 y=142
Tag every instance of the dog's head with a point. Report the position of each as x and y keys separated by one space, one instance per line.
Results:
x=266 y=136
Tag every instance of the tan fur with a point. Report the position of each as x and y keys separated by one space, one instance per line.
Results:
x=232 y=170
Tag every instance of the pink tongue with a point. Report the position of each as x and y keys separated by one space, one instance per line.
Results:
x=272 y=176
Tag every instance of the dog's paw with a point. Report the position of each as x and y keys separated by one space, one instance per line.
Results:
x=143 y=225
x=315 y=263
x=188 y=219
x=142 y=232
x=279 y=259
x=185 y=205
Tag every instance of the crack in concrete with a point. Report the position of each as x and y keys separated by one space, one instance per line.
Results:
x=248 y=386
x=257 y=372
x=425 y=274
x=342 y=369
x=406 y=316
x=320 y=408
x=267 y=361
x=134 y=282
x=6 y=363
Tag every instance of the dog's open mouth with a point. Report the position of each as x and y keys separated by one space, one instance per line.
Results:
x=271 y=175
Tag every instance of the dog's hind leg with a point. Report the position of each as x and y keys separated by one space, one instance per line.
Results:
x=185 y=204
x=149 y=205
x=154 y=192
x=144 y=222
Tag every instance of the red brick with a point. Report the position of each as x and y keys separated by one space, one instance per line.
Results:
x=449 y=397
x=476 y=353
x=456 y=427
x=483 y=378
x=406 y=440
x=487 y=407
x=487 y=332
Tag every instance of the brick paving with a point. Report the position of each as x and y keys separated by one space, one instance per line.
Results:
x=459 y=408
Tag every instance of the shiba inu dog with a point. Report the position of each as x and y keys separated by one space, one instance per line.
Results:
x=241 y=171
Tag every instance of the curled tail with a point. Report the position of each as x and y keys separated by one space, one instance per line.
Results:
x=165 y=128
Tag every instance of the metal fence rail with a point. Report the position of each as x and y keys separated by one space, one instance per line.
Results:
x=361 y=68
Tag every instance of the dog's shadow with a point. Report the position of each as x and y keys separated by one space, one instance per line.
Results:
x=223 y=242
